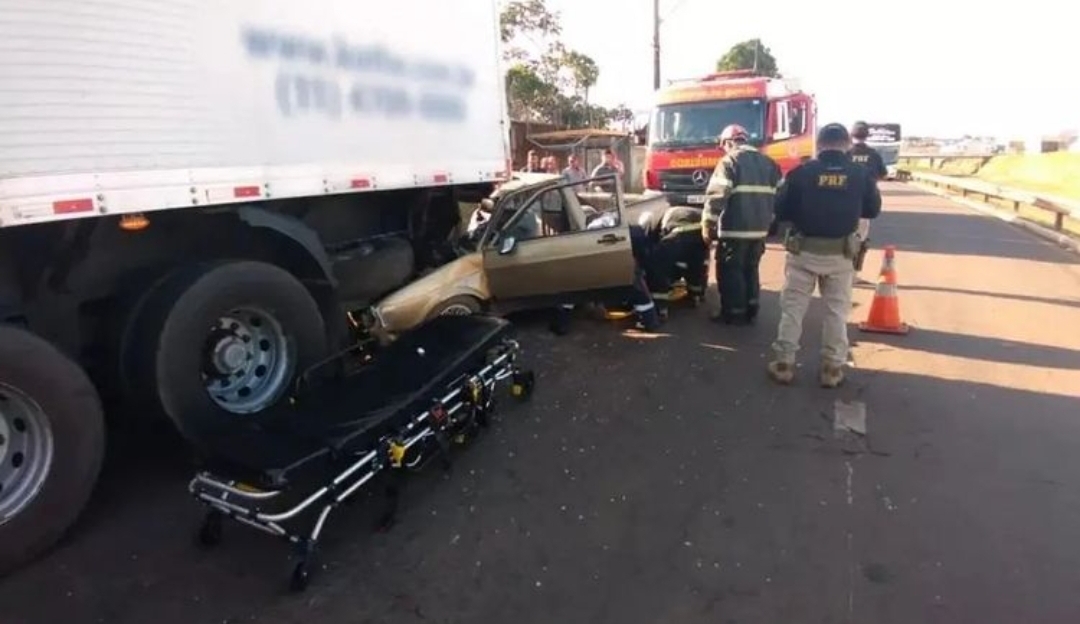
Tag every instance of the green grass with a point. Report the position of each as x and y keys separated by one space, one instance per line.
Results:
x=1057 y=173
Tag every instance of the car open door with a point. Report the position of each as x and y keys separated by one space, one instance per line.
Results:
x=546 y=250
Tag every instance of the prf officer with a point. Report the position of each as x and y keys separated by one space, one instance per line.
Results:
x=823 y=200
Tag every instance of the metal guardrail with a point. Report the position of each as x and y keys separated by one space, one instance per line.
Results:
x=917 y=155
x=1061 y=208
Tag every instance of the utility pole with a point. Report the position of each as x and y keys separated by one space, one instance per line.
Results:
x=656 y=45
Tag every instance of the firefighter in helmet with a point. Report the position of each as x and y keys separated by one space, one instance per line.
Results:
x=738 y=213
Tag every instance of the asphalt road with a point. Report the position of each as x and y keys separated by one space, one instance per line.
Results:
x=664 y=479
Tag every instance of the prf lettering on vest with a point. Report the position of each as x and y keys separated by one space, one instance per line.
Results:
x=861 y=158
x=832 y=180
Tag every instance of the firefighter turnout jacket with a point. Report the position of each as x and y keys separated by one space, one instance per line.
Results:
x=659 y=225
x=741 y=194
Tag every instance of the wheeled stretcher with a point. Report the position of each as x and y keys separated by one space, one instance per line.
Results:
x=286 y=472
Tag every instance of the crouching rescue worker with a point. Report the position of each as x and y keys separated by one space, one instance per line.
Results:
x=738 y=212
x=648 y=318
x=676 y=251
x=823 y=200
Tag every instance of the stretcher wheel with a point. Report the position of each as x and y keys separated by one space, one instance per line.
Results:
x=301 y=577
x=523 y=383
x=211 y=530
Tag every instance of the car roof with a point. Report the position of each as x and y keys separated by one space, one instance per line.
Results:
x=523 y=179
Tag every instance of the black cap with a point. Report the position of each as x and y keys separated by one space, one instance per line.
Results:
x=860 y=130
x=833 y=133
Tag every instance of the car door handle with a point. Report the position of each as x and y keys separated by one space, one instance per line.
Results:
x=610 y=239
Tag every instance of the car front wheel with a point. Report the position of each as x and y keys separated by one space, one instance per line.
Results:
x=461 y=305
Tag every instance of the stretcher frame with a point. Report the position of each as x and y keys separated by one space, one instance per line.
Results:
x=454 y=417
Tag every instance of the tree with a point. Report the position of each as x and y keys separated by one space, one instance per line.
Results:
x=527 y=94
x=527 y=17
x=622 y=116
x=546 y=81
x=750 y=54
x=527 y=22
x=584 y=72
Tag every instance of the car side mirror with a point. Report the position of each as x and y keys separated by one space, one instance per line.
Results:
x=507 y=245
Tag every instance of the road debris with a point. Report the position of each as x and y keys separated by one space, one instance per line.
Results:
x=849 y=417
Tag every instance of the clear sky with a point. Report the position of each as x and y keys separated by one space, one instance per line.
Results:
x=940 y=67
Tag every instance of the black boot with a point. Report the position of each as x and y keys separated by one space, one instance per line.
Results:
x=649 y=320
x=733 y=318
x=560 y=321
x=751 y=314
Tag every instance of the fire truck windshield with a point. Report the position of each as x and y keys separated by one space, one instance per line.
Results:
x=696 y=124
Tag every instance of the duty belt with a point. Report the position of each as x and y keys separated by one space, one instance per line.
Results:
x=823 y=246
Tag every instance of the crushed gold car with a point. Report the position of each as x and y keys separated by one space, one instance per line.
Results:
x=537 y=242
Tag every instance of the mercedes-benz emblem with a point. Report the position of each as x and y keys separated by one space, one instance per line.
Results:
x=700 y=177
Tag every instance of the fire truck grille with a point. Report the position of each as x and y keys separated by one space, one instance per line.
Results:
x=683 y=180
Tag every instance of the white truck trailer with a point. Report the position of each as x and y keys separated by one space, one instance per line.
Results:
x=194 y=193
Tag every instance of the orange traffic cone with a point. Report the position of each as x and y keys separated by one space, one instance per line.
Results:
x=884 y=316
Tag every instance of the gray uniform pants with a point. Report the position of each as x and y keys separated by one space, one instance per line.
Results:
x=802 y=273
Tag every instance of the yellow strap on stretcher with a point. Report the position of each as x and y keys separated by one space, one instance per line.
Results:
x=397 y=453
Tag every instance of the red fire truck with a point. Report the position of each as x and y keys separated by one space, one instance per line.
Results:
x=689 y=116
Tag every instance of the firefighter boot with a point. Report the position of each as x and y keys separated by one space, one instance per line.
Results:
x=782 y=372
x=832 y=375
x=560 y=320
x=648 y=320
x=751 y=313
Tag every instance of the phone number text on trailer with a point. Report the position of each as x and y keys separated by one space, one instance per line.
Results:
x=381 y=83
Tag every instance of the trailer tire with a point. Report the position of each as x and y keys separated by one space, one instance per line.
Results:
x=252 y=316
x=37 y=381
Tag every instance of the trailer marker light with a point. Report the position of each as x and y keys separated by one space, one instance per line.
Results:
x=134 y=222
x=72 y=206
x=360 y=183
x=246 y=191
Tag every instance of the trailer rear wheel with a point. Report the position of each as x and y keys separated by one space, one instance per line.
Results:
x=226 y=340
x=52 y=440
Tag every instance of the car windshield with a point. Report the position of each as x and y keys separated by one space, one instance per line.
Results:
x=700 y=123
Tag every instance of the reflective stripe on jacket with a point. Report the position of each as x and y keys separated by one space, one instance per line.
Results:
x=741 y=194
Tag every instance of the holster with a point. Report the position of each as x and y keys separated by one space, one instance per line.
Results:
x=851 y=246
x=860 y=256
x=793 y=242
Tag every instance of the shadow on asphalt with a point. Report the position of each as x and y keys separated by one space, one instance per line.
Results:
x=954 y=232
x=1053 y=301
x=978 y=348
x=648 y=480
x=897 y=190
